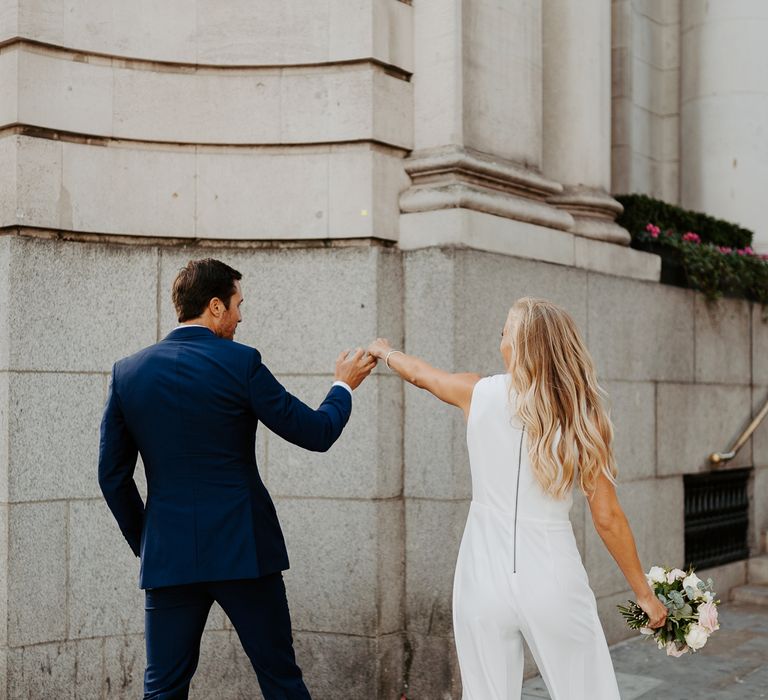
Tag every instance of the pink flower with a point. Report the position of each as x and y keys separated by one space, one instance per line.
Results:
x=741 y=251
x=675 y=574
x=724 y=249
x=653 y=230
x=708 y=617
x=691 y=237
x=672 y=649
x=748 y=250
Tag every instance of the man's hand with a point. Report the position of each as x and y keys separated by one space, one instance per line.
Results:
x=353 y=368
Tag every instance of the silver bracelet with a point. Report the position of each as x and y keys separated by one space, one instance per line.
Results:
x=391 y=352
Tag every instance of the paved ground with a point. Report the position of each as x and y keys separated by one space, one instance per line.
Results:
x=732 y=666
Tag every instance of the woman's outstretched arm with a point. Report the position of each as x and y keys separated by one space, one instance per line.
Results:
x=613 y=527
x=454 y=389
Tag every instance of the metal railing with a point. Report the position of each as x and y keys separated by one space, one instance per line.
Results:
x=722 y=457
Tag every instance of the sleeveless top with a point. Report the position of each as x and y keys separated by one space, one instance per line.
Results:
x=497 y=445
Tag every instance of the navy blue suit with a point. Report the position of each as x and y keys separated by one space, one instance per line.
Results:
x=190 y=406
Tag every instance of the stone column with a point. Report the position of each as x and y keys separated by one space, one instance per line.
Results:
x=577 y=114
x=477 y=100
x=724 y=86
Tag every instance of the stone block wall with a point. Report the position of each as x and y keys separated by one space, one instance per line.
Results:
x=70 y=603
x=680 y=373
x=188 y=120
x=373 y=526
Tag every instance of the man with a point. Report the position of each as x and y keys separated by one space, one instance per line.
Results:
x=209 y=532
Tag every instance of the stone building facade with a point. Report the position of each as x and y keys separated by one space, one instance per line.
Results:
x=373 y=167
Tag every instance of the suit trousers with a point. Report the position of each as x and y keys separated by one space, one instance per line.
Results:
x=175 y=617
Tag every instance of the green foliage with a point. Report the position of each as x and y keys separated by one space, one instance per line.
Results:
x=634 y=615
x=709 y=264
x=640 y=209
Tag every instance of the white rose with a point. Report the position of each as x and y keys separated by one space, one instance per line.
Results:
x=697 y=637
x=656 y=575
x=674 y=575
x=693 y=581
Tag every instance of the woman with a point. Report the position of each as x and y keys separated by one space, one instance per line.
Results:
x=532 y=434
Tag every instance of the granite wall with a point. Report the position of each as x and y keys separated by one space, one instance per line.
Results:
x=373 y=526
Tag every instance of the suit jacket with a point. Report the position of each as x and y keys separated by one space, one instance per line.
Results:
x=190 y=406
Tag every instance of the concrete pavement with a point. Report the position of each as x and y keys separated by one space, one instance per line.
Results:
x=732 y=666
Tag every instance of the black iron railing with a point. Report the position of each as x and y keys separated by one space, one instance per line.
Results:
x=716 y=517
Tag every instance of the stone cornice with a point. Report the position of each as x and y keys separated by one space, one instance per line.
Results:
x=40 y=132
x=164 y=66
x=177 y=242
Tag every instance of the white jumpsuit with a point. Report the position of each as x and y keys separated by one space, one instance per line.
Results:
x=519 y=573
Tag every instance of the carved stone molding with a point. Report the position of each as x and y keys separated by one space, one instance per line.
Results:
x=455 y=177
x=594 y=212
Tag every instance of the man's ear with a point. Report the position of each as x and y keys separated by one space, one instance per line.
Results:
x=216 y=307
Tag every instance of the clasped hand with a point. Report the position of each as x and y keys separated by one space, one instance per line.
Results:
x=353 y=367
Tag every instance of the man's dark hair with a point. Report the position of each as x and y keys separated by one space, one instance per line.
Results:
x=198 y=283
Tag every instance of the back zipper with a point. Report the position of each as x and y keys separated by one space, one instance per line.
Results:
x=517 y=498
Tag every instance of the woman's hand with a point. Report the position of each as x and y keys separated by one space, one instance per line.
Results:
x=379 y=348
x=455 y=389
x=654 y=608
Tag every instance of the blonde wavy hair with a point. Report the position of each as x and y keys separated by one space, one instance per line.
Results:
x=558 y=398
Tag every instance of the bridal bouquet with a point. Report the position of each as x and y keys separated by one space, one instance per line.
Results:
x=692 y=607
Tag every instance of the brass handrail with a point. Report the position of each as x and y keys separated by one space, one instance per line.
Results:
x=721 y=457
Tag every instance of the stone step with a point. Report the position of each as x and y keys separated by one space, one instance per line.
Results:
x=754 y=594
x=757 y=569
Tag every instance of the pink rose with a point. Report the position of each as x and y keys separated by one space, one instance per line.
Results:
x=672 y=649
x=691 y=237
x=653 y=230
x=708 y=617
x=724 y=249
x=675 y=574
